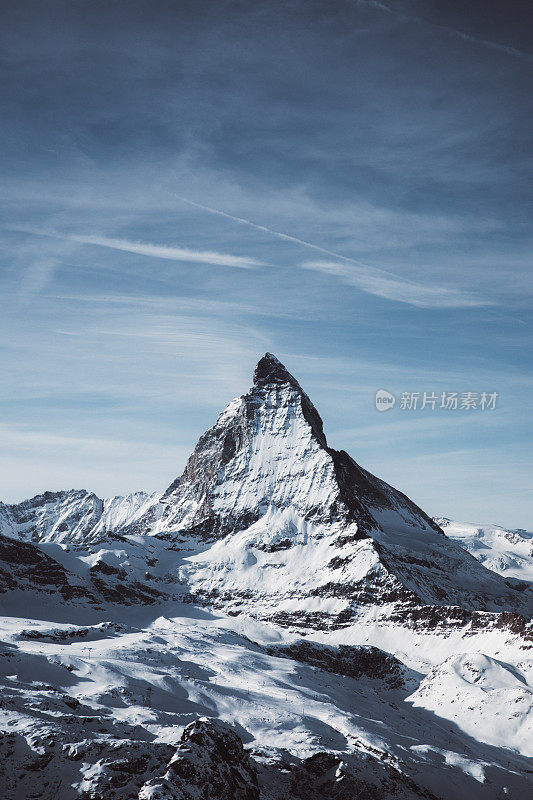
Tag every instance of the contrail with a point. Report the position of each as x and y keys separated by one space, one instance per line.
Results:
x=370 y=279
x=273 y=232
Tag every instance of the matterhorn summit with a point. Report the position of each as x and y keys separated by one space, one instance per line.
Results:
x=303 y=526
x=266 y=451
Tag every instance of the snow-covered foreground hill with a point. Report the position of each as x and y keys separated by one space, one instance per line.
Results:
x=277 y=624
x=101 y=708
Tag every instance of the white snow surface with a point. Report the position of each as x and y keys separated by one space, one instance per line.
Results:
x=279 y=464
x=488 y=699
x=508 y=552
x=142 y=677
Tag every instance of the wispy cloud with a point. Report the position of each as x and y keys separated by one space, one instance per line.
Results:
x=368 y=278
x=35 y=266
x=37 y=276
x=155 y=250
x=392 y=287
x=264 y=307
x=510 y=51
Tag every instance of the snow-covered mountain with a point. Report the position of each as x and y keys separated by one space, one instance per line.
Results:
x=278 y=623
x=508 y=552
x=74 y=516
x=303 y=526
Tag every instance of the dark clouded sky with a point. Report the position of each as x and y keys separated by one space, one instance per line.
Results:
x=372 y=163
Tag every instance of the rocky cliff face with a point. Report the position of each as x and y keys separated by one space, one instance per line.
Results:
x=76 y=517
x=211 y=763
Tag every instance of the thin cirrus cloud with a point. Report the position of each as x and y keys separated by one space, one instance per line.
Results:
x=367 y=278
x=158 y=251
x=391 y=287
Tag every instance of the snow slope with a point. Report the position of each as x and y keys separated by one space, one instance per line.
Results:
x=508 y=552
x=487 y=699
x=101 y=708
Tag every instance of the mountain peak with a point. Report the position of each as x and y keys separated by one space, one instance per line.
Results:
x=270 y=370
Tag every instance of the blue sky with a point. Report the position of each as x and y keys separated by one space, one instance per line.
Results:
x=187 y=185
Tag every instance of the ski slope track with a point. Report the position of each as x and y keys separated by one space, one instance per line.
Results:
x=277 y=624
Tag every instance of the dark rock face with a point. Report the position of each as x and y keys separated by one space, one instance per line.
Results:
x=270 y=370
x=210 y=763
x=362 y=492
x=126 y=592
x=353 y=662
x=325 y=776
x=443 y=619
x=24 y=567
x=215 y=449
